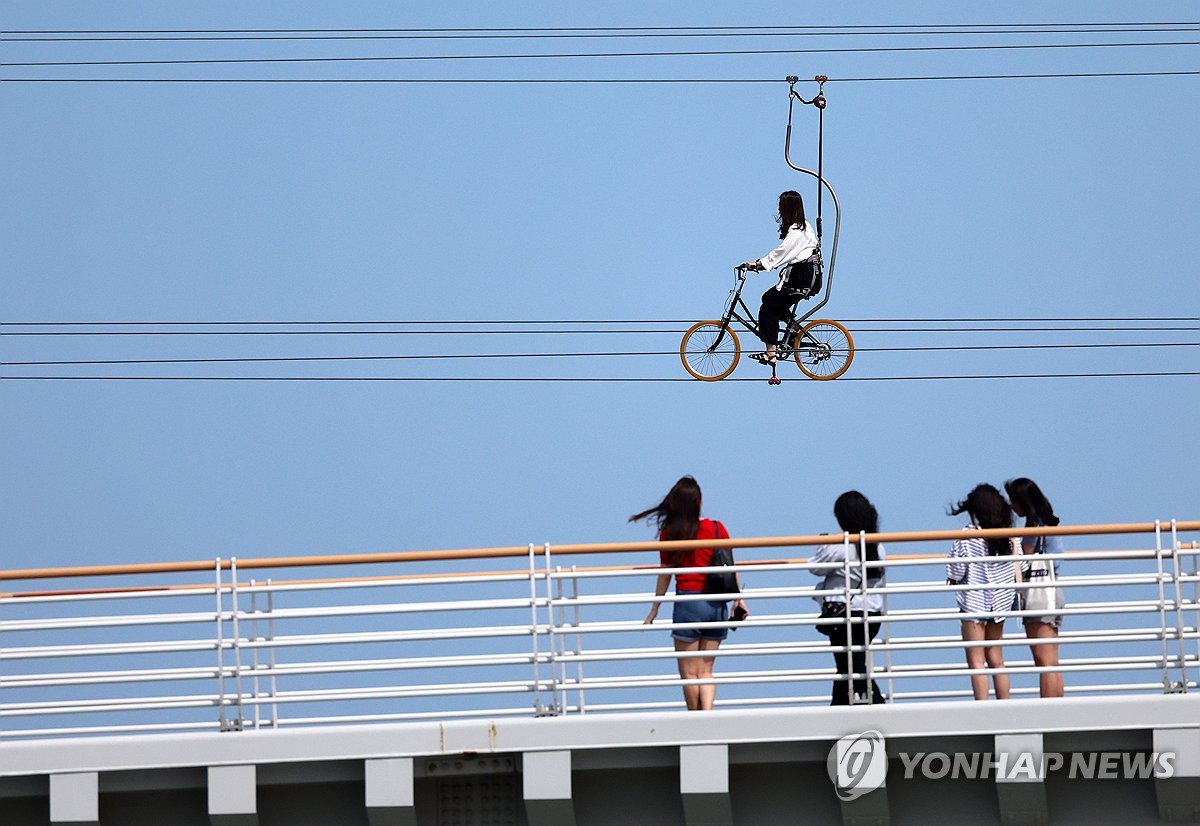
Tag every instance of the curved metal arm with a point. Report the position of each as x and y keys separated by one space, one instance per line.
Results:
x=837 y=223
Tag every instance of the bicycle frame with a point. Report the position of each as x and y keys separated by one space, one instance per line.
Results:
x=792 y=325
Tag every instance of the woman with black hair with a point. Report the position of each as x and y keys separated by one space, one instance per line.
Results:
x=799 y=248
x=677 y=516
x=992 y=599
x=1029 y=502
x=855 y=514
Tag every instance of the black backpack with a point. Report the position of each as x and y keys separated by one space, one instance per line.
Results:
x=725 y=581
x=804 y=277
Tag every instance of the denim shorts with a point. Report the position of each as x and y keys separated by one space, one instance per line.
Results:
x=699 y=611
x=1053 y=620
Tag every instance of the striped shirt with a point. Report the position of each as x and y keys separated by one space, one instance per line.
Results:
x=992 y=597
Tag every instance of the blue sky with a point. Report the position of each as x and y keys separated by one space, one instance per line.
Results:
x=334 y=202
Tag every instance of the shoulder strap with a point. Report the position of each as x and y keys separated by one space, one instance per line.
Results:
x=719 y=529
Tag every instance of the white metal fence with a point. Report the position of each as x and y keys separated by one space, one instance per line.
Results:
x=148 y=648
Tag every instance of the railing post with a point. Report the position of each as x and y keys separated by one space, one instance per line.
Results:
x=849 y=621
x=558 y=704
x=558 y=615
x=862 y=587
x=224 y=724
x=237 y=642
x=271 y=637
x=1196 y=594
x=1179 y=618
x=538 y=709
x=256 y=693
x=578 y=638
x=887 y=639
x=257 y=637
x=1162 y=607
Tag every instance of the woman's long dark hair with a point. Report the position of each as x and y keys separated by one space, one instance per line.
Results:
x=677 y=516
x=791 y=211
x=988 y=509
x=855 y=514
x=1029 y=499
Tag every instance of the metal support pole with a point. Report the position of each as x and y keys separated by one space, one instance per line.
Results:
x=1196 y=595
x=1162 y=606
x=862 y=587
x=822 y=185
x=820 y=167
x=254 y=651
x=849 y=621
x=271 y=636
x=578 y=639
x=1180 y=626
x=553 y=642
x=221 y=721
x=237 y=641
x=533 y=634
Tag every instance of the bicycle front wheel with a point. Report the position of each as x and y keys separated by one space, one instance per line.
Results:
x=823 y=349
x=710 y=351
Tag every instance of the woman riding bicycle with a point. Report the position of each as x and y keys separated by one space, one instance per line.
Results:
x=798 y=248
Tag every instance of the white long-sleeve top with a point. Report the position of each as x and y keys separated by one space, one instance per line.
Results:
x=797 y=245
x=829 y=563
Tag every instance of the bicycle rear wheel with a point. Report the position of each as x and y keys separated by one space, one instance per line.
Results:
x=710 y=351
x=823 y=349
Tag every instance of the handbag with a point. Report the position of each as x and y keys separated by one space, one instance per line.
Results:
x=1043 y=593
x=835 y=612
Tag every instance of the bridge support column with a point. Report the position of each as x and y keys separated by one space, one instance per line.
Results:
x=1179 y=794
x=704 y=785
x=872 y=809
x=861 y=761
x=233 y=795
x=75 y=798
x=1021 y=779
x=546 y=781
x=389 y=792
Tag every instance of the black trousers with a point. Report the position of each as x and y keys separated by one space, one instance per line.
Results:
x=853 y=663
x=776 y=306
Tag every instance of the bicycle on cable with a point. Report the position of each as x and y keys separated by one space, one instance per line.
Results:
x=823 y=349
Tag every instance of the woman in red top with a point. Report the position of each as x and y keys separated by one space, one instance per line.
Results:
x=678 y=517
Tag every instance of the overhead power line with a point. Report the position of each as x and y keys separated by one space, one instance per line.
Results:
x=335 y=35
x=594 y=354
x=555 y=332
x=515 y=322
x=482 y=81
x=596 y=55
x=554 y=29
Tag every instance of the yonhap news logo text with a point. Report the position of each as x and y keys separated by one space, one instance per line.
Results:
x=858 y=764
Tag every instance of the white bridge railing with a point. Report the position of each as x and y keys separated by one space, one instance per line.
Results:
x=412 y=636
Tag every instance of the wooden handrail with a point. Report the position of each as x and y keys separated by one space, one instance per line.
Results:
x=746 y=565
x=573 y=549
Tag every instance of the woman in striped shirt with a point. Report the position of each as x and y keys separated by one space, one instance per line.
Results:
x=986 y=605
